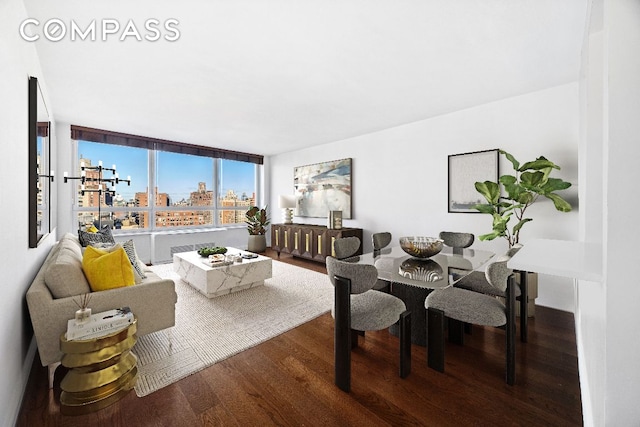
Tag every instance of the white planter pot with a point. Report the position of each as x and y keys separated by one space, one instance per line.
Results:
x=257 y=244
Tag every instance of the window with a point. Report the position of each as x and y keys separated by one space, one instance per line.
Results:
x=172 y=185
x=119 y=201
x=237 y=191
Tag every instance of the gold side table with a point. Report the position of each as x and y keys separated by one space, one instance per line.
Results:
x=102 y=371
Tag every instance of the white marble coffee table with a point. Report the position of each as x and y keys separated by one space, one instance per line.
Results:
x=216 y=281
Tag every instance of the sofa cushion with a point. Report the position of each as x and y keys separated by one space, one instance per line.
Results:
x=102 y=236
x=129 y=248
x=107 y=270
x=63 y=275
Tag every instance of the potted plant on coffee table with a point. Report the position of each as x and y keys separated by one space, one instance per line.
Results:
x=257 y=220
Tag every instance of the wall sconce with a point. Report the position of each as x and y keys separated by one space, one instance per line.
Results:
x=287 y=203
x=50 y=176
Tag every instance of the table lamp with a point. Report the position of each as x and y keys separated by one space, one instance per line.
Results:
x=287 y=203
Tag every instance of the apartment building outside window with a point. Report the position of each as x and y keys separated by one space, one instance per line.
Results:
x=190 y=186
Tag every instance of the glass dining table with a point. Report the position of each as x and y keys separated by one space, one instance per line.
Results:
x=412 y=279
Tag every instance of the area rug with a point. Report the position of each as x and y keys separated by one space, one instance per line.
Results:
x=210 y=330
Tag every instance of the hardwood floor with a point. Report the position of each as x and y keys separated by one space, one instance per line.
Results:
x=288 y=381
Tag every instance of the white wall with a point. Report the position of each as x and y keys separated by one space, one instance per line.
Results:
x=622 y=20
x=608 y=344
x=400 y=174
x=591 y=310
x=19 y=264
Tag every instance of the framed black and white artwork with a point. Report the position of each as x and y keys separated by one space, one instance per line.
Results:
x=464 y=171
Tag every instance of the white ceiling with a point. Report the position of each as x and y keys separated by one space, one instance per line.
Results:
x=273 y=76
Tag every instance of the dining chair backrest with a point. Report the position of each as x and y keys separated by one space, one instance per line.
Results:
x=457 y=240
x=345 y=247
x=497 y=272
x=380 y=240
x=362 y=276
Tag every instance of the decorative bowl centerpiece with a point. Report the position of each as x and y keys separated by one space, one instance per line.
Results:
x=421 y=247
x=425 y=270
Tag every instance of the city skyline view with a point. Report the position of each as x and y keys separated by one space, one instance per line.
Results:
x=178 y=175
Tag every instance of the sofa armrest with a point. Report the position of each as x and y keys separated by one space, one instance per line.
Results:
x=152 y=302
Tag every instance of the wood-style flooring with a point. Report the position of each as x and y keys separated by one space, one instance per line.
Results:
x=288 y=381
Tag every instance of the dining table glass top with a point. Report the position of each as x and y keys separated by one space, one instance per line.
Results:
x=439 y=271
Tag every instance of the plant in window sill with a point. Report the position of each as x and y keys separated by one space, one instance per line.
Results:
x=257 y=219
x=530 y=181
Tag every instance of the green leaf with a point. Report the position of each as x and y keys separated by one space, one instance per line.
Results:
x=525 y=198
x=555 y=184
x=561 y=204
x=532 y=180
x=489 y=236
x=538 y=164
x=519 y=225
x=485 y=208
x=514 y=162
x=490 y=190
x=508 y=179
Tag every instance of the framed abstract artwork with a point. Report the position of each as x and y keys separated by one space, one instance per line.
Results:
x=323 y=187
x=464 y=171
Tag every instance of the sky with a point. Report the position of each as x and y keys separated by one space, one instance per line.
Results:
x=179 y=174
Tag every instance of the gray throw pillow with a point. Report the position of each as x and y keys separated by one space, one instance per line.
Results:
x=102 y=236
x=130 y=249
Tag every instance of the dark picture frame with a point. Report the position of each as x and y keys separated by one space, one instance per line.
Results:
x=464 y=171
x=323 y=187
x=40 y=177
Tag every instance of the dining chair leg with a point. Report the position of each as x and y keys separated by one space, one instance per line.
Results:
x=435 y=339
x=524 y=305
x=405 y=344
x=510 y=331
x=354 y=338
x=342 y=333
x=456 y=331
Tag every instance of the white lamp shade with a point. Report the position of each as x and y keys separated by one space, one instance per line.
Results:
x=287 y=202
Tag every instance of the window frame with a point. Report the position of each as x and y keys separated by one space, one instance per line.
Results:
x=150 y=144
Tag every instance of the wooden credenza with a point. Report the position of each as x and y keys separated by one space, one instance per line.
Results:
x=313 y=242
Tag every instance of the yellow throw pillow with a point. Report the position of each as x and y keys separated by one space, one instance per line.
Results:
x=107 y=270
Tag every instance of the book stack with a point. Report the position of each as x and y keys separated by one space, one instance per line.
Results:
x=99 y=324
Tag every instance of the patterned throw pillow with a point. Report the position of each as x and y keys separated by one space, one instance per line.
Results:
x=103 y=236
x=130 y=249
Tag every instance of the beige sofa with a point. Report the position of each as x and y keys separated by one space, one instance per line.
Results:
x=57 y=287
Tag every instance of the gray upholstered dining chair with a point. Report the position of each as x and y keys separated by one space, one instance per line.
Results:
x=380 y=240
x=477 y=281
x=461 y=305
x=457 y=240
x=358 y=307
x=346 y=247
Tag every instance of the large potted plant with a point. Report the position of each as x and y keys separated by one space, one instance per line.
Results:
x=257 y=220
x=512 y=195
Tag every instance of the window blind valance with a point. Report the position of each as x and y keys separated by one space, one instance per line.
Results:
x=117 y=138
